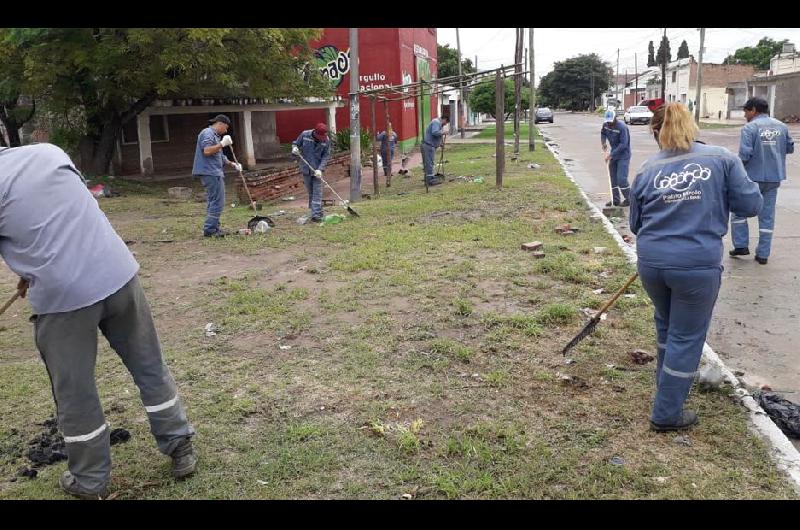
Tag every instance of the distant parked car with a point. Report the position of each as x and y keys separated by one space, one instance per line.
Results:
x=652 y=104
x=543 y=114
x=638 y=114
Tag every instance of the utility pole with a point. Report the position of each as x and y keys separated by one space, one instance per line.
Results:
x=518 y=88
x=531 y=115
x=476 y=62
x=460 y=87
x=499 y=112
x=636 y=78
x=699 y=77
x=664 y=69
x=525 y=63
x=625 y=88
x=355 y=117
x=616 y=80
x=591 y=74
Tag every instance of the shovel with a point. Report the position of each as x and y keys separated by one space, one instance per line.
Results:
x=345 y=203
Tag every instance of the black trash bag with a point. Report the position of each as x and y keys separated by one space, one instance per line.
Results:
x=783 y=412
x=251 y=224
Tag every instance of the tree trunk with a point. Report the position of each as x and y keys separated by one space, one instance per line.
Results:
x=100 y=146
x=104 y=148
x=11 y=124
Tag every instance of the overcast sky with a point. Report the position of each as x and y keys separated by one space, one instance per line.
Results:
x=495 y=46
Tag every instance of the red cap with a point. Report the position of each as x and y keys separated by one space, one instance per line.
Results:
x=321 y=132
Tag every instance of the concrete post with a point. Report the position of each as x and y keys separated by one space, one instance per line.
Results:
x=331 y=118
x=145 y=147
x=247 y=131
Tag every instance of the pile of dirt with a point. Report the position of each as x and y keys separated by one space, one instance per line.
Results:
x=48 y=448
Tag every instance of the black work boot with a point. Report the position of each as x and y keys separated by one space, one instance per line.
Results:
x=688 y=418
x=70 y=484
x=184 y=459
x=740 y=251
x=762 y=261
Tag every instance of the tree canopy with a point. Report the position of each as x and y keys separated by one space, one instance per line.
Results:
x=569 y=85
x=683 y=50
x=651 y=55
x=447 y=58
x=482 y=97
x=112 y=74
x=758 y=55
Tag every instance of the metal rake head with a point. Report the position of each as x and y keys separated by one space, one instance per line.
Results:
x=587 y=330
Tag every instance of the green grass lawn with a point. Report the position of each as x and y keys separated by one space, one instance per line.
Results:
x=412 y=351
x=490 y=132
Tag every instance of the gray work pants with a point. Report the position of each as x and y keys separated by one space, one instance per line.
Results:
x=68 y=345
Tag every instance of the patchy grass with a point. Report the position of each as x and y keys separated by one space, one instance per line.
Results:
x=416 y=348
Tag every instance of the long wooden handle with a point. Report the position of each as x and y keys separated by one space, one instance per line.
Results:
x=244 y=181
x=617 y=295
x=8 y=304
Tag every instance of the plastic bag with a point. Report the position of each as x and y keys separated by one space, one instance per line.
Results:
x=783 y=412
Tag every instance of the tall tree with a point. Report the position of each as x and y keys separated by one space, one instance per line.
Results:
x=683 y=50
x=664 y=55
x=447 y=59
x=14 y=112
x=651 y=55
x=758 y=55
x=569 y=85
x=482 y=98
x=113 y=74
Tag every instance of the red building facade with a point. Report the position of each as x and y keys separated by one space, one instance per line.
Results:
x=387 y=56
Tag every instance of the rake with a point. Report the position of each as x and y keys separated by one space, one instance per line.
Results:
x=590 y=326
x=253 y=204
x=345 y=203
x=9 y=302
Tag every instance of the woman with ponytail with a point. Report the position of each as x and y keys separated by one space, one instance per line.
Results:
x=680 y=203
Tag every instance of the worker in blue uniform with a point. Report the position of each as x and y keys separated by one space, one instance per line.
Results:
x=680 y=204
x=763 y=147
x=616 y=134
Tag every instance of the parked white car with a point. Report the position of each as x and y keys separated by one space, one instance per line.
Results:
x=638 y=114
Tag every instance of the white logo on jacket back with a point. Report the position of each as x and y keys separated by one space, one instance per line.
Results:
x=768 y=135
x=682 y=180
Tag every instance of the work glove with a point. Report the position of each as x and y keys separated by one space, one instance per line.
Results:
x=22 y=287
x=295 y=150
x=318 y=174
x=237 y=166
x=226 y=140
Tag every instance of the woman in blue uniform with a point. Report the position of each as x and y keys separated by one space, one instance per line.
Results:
x=680 y=204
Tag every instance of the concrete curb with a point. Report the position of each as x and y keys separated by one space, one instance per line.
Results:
x=783 y=453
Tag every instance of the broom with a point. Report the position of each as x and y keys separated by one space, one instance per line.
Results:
x=590 y=326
